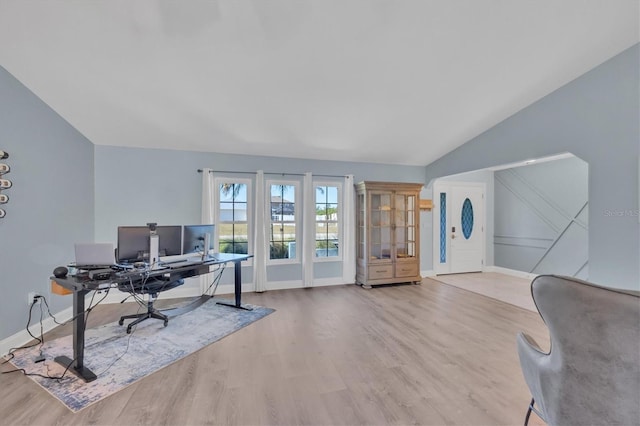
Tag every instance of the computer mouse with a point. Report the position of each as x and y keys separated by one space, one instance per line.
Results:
x=60 y=272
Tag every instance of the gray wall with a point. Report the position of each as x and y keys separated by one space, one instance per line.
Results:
x=596 y=117
x=541 y=220
x=135 y=186
x=50 y=203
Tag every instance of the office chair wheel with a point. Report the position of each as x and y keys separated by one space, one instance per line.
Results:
x=121 y=321
x=129 y=329
x=166 y=322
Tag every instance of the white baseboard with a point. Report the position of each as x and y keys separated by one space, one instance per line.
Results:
x=285 y=285
x=510 y=272
x=21 y=338
x=428 y=273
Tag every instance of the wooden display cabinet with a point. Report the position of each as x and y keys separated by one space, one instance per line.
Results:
x=388 y=233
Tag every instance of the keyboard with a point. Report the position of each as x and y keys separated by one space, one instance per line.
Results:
x=175 y=264
x=91 y=267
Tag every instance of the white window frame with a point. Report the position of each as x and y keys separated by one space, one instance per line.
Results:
x=249 y=184
x=340 y=203
x=297 y=215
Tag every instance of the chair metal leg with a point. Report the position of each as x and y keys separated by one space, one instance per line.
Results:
x=151 y=313
x=532 y=408
x=526 y=419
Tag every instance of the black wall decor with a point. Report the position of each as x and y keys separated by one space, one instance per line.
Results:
x=4 y=183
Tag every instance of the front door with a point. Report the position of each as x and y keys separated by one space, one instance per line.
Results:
x=459 y=238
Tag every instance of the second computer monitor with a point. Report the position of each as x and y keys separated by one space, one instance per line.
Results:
x=194 y=238
x=133 y=242
x=170 y=238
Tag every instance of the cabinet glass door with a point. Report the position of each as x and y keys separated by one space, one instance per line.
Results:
x=405 y=226
x=360 y=228
x=380 y=227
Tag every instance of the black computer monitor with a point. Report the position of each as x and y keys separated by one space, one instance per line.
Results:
x=170 y=240
x=193 y=238
x=133 y=242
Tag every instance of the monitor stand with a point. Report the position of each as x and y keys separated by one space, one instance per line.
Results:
x=205 y=249
x=154 y=256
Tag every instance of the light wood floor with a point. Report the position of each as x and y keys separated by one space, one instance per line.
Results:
x=427 y=354
x=513 y=290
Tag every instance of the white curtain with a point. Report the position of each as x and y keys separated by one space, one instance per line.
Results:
x=308 y=230
x=260 y=239
x=209 y=197
x=349 y=232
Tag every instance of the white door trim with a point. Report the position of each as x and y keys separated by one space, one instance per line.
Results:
x=440 y=186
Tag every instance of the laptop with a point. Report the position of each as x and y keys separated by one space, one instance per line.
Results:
x=94 y=255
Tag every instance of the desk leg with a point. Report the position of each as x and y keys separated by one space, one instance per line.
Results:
x=237 y=283
x=76 y=365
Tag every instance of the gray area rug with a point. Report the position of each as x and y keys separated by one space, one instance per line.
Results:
x=120 y=359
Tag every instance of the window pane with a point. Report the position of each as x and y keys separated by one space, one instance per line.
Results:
x=277 y=232
x=240 y=213
x=241 y=230
x=230 y=246
x=332 y=228
x=283 y=221
x=326 y=221
x=332 y=194
x=233 y=192
x=232 y=226
x=283 y=233
x=225 y=230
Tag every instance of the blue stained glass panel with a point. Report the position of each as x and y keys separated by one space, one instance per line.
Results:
x=443 y=227
x=467 y=218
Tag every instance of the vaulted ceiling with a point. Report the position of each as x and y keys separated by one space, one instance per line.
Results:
x=383 y=81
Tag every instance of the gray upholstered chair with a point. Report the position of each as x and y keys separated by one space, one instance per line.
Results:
x=591 y=375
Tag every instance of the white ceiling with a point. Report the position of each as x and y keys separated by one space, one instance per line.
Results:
x=385 y=81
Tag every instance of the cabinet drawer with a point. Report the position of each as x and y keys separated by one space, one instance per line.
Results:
x=377 y=272
x=406 y=269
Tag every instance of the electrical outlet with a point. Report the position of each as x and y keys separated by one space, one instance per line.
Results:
x=33 y=297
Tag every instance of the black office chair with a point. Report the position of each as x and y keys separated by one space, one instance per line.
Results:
x=151 y=287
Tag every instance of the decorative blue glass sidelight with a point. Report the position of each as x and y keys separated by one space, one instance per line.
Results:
x=467 y=218
x=443 y=227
